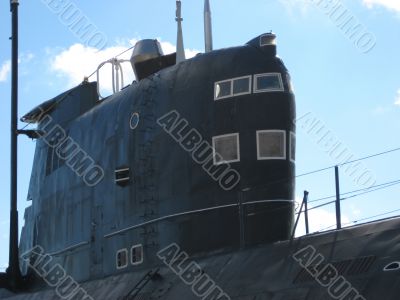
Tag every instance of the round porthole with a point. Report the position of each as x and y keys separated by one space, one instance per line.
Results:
x=134 y=121
x=394 y=266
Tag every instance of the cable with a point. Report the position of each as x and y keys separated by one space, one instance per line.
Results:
x=363 y=219
x=123 y=52
x=265 y=186
x=316 y=171
x=370 y=156
x=349 y=162
x=365 y=189
x=379 y=187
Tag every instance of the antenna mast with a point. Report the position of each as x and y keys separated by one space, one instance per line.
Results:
x=208 y=27
x=13 y=271
x=180 y=49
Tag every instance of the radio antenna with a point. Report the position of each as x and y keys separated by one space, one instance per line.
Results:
x=180 y=49
x=208 y=27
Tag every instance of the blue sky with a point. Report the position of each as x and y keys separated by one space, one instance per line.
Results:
x=355 y=95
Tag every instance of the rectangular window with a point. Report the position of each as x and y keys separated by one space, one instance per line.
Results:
x=136 y=255
x=122 y=258
x=232 y=87
x=242 y=86
x=292 y=147
x=226 y=148
x=269 y=82
x=271 y=144
x=223 y=89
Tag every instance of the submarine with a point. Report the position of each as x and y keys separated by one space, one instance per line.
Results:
x=181 y=185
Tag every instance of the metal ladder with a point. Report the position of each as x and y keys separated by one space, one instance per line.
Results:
x=146 y=184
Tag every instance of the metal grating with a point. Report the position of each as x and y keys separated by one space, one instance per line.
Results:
x=349 y=267
x=122 y=176
x=361 y=265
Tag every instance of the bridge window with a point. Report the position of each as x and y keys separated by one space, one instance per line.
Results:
x=269 y=82
x=232 y=87
x=292 y=147
x=122 y=259
x=136 y=255
x=226 y=148
x=271 y=144
x=223 y=89
x=242 y=86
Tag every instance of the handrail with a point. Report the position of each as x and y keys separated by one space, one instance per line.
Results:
x=117 y=73
x=121 y=231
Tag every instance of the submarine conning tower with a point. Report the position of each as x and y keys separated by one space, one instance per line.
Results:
x=168 y=144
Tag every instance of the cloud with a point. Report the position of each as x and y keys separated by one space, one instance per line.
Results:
x=78 y=61
x=295 y=6
x=5 y=70
x=397 y=101
x=389 y=4
x=25 y=57
x=3 y=266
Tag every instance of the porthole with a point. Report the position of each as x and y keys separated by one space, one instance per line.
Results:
x=393 y=266
x=137 y=255
x=134 y=121
x=122 y=259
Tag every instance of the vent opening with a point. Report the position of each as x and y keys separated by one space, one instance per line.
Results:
x=394 y=266
x=122 y=176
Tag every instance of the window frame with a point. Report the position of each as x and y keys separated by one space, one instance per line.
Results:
x=231 y=94
x=214 y=138
x=256 y=90
x=291 y=139
x=140 y=246
x=124 y=250
x=243 y=93
x=289 y=83
x=259 y=157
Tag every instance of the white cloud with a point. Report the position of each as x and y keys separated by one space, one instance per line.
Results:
x=25 y=57
x=294 y=6
x=5 y=70
x=319 y=219
x=389 y=4
x=3 y=266
x=397 y=101
x=78 y=61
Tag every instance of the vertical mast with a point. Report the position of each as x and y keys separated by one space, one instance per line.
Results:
x=13 y=270
x=180 y=49
x=208 y=27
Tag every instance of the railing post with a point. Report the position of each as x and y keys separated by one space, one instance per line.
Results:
x=298 y=215
x=241 y=220
x=338 y=210
x=305 y=199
